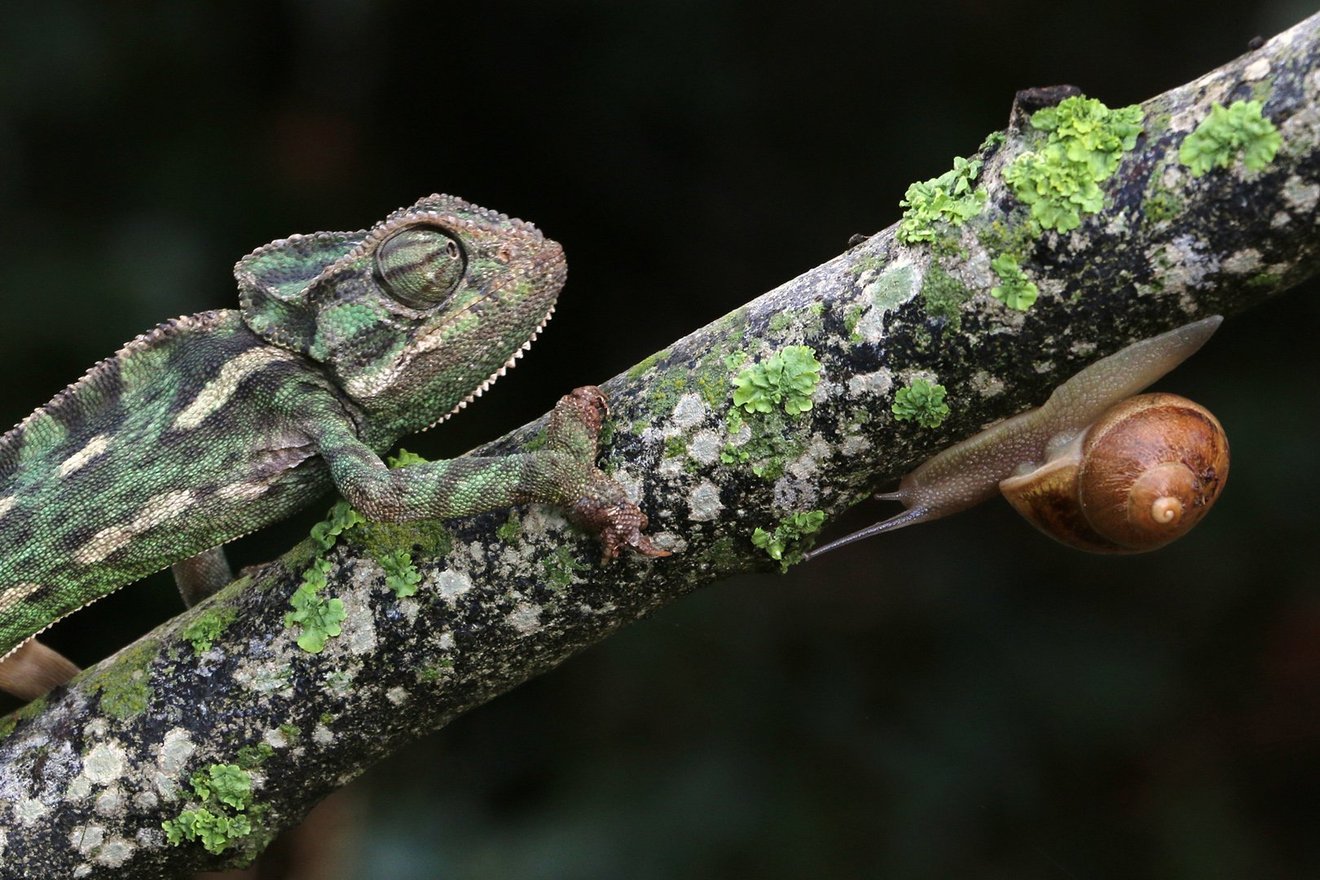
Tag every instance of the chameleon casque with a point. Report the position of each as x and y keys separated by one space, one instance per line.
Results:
x=216 y=424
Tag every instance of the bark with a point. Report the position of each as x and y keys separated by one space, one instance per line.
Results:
x=88 y=775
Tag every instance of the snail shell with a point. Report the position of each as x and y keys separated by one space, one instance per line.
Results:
x=1141 y=476
x=1093 y=466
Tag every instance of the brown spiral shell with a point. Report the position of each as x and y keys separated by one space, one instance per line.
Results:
x=1142 y=475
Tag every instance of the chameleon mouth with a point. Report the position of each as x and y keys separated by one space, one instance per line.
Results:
x=491 y=379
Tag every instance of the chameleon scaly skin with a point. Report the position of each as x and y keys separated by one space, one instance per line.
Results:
x=213 y=425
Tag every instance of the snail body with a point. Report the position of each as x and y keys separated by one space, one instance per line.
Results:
x=1095 y=466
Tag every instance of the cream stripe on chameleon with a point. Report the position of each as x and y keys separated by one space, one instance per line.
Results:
x=242 y=491
x=216 y=393
x=98 y=444
x=13 y=596
x=155 y=511
x=6 y=503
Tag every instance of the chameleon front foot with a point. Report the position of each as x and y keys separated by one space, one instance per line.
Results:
x=614 y=520
x=601 y=508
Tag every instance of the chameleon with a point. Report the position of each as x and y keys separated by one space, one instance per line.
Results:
x=216 y=424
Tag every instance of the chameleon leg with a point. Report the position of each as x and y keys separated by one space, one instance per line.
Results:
x=202 y=575
x=562 y=473
x=33 y=669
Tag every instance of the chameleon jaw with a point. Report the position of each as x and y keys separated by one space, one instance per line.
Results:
x=491 y=379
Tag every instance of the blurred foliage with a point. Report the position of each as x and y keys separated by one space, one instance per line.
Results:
x=983 y=703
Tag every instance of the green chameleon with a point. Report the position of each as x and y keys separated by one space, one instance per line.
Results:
x=213 y=425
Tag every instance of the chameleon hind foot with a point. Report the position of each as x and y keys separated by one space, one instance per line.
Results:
x=33 y=670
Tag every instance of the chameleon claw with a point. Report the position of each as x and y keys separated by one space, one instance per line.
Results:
x=614 y=520
x=624 y=529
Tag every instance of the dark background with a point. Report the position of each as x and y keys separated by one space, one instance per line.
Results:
x=1008 y=709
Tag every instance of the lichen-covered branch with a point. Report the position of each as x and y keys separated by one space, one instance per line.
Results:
x=1074 y=232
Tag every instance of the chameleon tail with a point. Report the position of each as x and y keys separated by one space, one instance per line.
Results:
x=33 y=669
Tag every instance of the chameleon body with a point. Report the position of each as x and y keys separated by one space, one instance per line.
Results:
x=213 y=425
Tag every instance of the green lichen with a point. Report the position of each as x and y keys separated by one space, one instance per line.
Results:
x=776 y=439
x=124 y=687
x=401 y=575
x=230 y=787
x=1156 y=123
x=667 y=390
x=1060 y=180
x=922 y=338
x=338 y=682
x=403 y=458
x=253 y=756
x=785 y=544
x=229 y=784
x=1262 y=88
x=422 y=538
x=993 y=141
x=341 y=518
x=215 y=831
x=892 y=289
x=1162 y=205
x=436 y=671
x=944 y=296
x=711 y=374
x=1014 y=290
x=922 y=401
x=203 y=630
x=561 y=566
x=867 y=263
x=675 y=447
x=807 y=319
x=317 y=616
x=775 y=390
x=735 y=422
x=647 y=363
x=1238 y=130
x=511 y=529
x=850 y=319
x=722 y=553
x=1015 y=239
x=28 y=711
x=290 y=732
x=947 y=199
x=786 y=379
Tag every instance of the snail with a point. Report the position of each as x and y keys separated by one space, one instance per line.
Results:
x=1094 y=467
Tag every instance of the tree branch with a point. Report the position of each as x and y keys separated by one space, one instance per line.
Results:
x=89 y=774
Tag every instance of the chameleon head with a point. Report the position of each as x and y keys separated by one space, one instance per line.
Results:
x=414 y=317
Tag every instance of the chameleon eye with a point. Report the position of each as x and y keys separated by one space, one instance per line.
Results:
x=420 y=266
